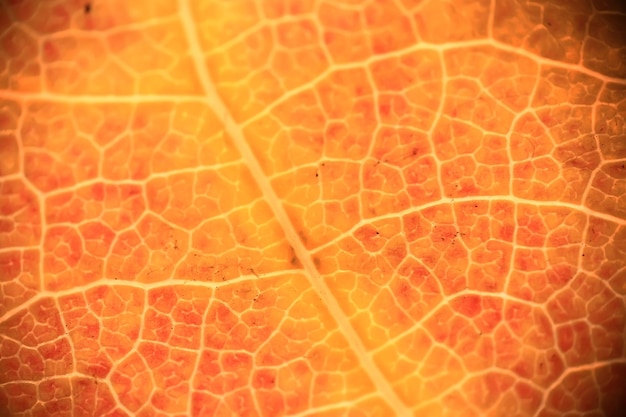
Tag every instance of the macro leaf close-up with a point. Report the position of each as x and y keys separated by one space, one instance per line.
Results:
x=312 y=208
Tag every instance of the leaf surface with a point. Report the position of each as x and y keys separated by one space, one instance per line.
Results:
x=332 y=208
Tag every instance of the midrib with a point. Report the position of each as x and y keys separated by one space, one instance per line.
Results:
x=215 y=103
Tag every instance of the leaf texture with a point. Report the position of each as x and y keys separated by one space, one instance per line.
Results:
x=312 y=208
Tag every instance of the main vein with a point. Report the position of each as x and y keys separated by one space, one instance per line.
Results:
x=232 y=128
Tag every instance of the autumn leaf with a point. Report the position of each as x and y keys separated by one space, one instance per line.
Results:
x=314 y=208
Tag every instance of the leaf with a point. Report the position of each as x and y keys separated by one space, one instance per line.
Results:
x=267 y=208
